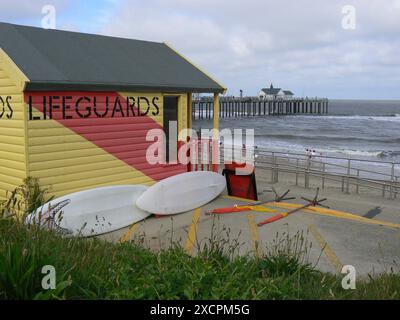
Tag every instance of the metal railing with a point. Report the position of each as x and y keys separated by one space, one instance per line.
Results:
x=345 y=171
x=382 y=176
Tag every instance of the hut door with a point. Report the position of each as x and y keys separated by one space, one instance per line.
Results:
x=170 y=114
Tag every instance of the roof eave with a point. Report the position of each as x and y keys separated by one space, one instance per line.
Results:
x=223 y=89
x=97 y=87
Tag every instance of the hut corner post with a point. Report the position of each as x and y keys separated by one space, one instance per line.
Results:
x=215 y=142
x=189 y=125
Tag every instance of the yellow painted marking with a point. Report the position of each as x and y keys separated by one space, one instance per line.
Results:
x=254 y=235
x=330 y=254
x=128 y=235
x=324 y=211
x=254 y=208
x=259 y=208
x=336 y=214
x=239 y=199
x=192 y=234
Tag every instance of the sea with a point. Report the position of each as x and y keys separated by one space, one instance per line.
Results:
x=356 y=128
x=362 y=129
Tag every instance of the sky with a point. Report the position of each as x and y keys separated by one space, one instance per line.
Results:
x=340 y=49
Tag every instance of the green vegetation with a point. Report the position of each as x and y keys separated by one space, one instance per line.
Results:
x=94 y=269
x=24 y=199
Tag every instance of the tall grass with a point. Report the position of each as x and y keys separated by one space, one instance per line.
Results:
x=24 y=199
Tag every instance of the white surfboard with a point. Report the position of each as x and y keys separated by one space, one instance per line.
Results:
x=92 y=212
x=181 y=193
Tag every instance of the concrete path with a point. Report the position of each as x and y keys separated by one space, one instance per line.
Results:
x=334 y=241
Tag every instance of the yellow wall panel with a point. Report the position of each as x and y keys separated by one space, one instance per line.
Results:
x=12 y=156
x=70 y=154
x=60 y=147
x=16 y=98
x=62 y=168
x=60 y=190
x=13 y=148
x=104 y=173
x=12 y=164
x=65 y=163
x=7 y=131
x=6 y=171
x=4 y=82
x=10 y=91
x=12 y=131
x=182 y=112
x=13 y=140
x=94 y=182
x=10 y=181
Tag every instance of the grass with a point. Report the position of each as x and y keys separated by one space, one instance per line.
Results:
x=94 y=269
x=25 y=199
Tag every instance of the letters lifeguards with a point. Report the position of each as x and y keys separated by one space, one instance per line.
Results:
x=6 y=109
x=81 y=106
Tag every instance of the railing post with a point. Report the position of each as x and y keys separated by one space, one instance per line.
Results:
x=297 y=171
x=307 y=175
x=273 y=168
x=383 y=189
x=348 y=176
x=323 y=175
x=392 y=181
x=215 y=138
x=358 y=181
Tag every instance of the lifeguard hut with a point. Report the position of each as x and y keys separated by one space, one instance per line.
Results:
x=75 y=108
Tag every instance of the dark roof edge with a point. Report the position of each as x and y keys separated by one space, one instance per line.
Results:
x=48 y=86
x=77 y=32
x=223 y=87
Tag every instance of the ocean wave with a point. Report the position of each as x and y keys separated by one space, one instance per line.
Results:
x=325 y=138
x=388 y=117
x=352 y=152
x=362 y=153
x=347 y=152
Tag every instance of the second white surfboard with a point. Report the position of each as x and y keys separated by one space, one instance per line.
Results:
x=181 y=193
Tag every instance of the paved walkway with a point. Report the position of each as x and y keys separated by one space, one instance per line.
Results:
x=335 y=241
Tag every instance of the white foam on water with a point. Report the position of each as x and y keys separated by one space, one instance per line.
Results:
x=281 y=146
x=392 y=118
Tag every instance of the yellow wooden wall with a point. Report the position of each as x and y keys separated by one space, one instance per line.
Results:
x=66 y=162
x=12 y=131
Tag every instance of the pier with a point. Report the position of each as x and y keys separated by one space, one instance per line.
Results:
x=247 y=107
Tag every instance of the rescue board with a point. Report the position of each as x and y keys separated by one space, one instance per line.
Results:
x=91 y=212
x=182 y=193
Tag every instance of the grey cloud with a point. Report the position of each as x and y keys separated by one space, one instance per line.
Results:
x=246 y=44
x=299 y=45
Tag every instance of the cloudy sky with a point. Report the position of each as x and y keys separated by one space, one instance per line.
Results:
x=312 y=47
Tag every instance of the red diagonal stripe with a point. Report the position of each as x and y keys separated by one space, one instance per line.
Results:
x=118 y=134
